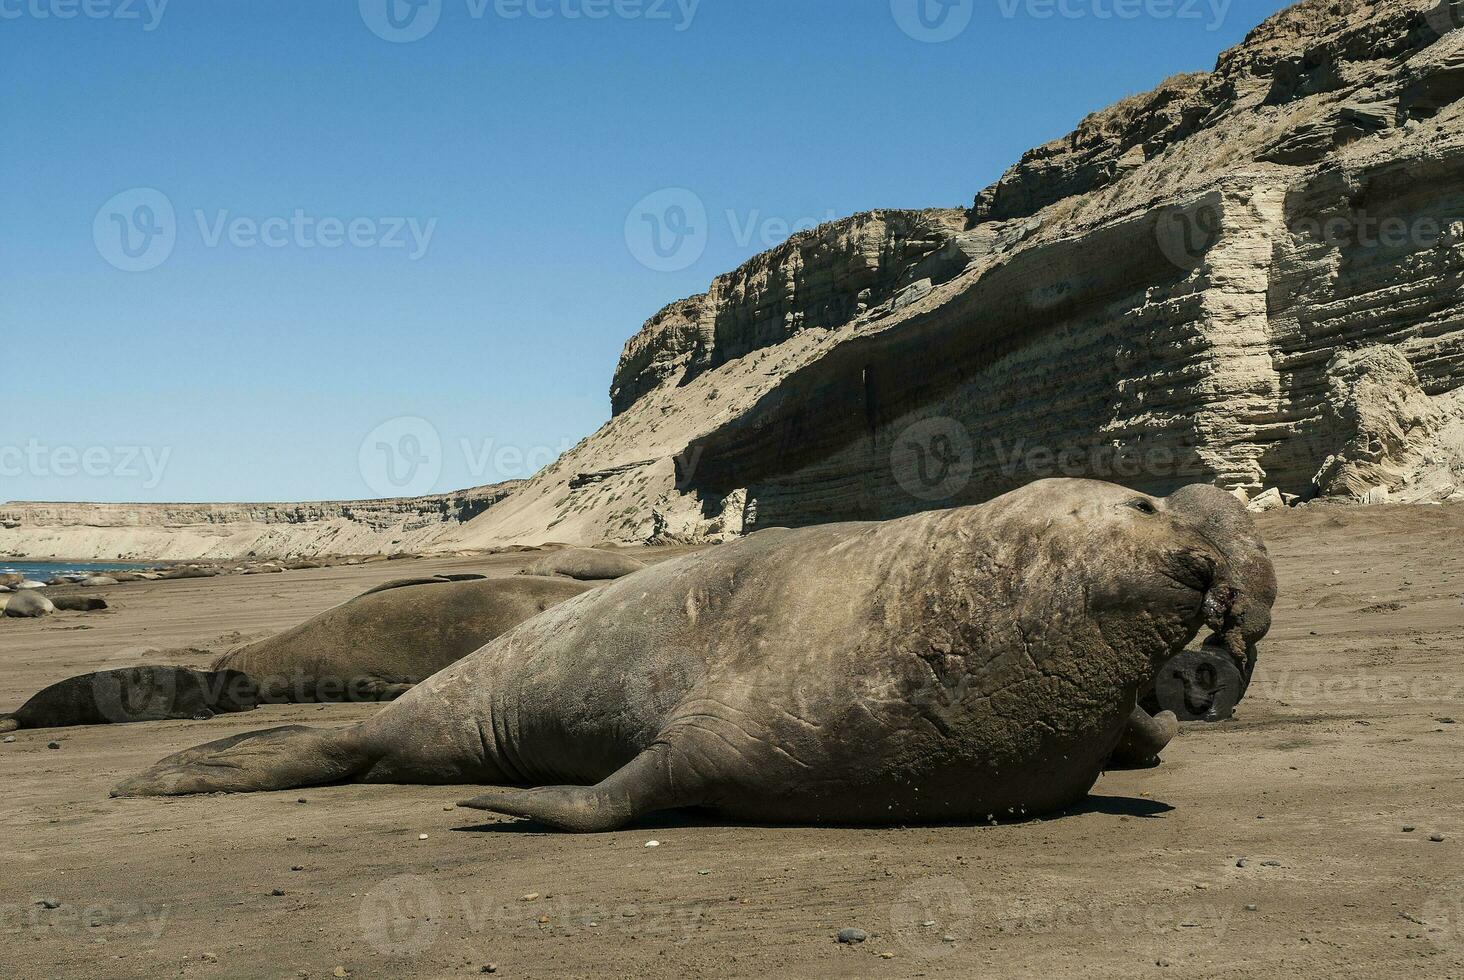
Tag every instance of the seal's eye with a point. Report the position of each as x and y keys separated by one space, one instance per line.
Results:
x=1143 y=506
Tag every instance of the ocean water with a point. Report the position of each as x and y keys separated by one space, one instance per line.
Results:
x=43 y=570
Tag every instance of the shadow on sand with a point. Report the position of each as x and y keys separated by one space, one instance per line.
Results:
x=1117 y=806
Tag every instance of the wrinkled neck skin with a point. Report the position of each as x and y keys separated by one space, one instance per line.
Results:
x=1102 y=592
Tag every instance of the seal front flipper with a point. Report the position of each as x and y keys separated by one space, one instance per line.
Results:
x=641 y=786
x=279 y=758
x=1144 y=737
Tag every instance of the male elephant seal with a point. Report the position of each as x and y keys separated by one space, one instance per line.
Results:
x=953 y=665
x=585 y=564
x=134 y=694
x=376 y=646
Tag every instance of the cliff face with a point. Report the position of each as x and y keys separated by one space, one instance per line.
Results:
x=225 y=531
x=818 y=279
x=1177 y=292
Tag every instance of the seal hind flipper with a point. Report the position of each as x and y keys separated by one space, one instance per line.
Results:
x=8 y=723
x=274 y=759
x=641 y=786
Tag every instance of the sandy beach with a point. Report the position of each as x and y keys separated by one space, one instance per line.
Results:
x=1275 y=842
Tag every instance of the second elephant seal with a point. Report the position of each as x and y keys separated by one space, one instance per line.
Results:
x=376 y=646
x=585 y=564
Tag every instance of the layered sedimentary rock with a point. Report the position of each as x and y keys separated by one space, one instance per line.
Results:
x=819 y=279
x=1177 y=292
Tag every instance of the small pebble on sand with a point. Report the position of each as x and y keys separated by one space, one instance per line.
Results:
x=851 y=936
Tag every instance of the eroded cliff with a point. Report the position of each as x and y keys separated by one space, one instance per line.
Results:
x=1252 y=277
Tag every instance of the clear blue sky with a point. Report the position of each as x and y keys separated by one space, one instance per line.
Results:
x=248 y=371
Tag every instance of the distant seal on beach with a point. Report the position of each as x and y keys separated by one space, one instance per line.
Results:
x=29 y=604
x=585 y=564
x=377 y=645
x=965 y=664
x=131 y=694
x=79 y=603
x=189 y=571
x=423 y=580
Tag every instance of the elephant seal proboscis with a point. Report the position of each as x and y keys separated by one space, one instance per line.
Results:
x=968 y=664
x=378 y=645
x=112 y=697
x=585 y=564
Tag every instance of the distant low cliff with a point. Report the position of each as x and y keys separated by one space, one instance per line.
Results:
x=227 y=531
